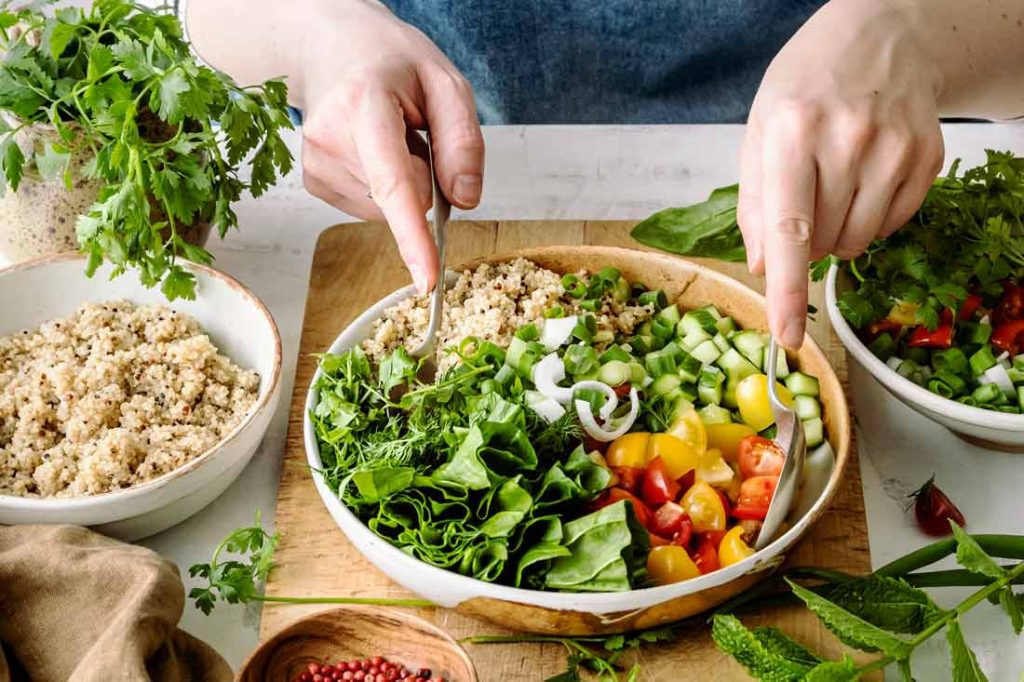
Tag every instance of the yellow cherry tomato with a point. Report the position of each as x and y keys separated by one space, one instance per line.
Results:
x=678 y=455
x=689 y=428
x=714 y=470
x=670 y=564
x=732 y=549
x=704 y=507
x=727 y=437
x=752 y=399
x=628 y=451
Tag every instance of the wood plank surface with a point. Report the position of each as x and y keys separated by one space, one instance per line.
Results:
x=356 y=265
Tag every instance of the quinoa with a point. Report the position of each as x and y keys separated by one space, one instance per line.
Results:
x=491 y=303
x=110 y=397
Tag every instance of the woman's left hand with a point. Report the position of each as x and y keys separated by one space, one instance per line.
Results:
x=842 y=145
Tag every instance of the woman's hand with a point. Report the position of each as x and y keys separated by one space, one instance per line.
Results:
x=369 y=83
x=842 y=144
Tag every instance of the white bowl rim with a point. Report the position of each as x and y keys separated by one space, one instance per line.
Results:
x=967 y=414
x=595 y=602
x=16 y=502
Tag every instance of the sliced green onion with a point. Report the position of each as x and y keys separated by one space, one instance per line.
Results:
x=580 y=359
x=883 y=347
x=591 y=304
x=967 y=400
x=490 y=386
x=505 y=375
x=554 y=311
x=662 y=329
x=981 y=361
x=609 y=274
x=615 y=353
x=581 y=332
x=655 y=298
x=986 y=393
x=604 y=336
x=621 y=290
x=574 y=286
x=975 y=332
x=940 y=388
x=957 y=384
x=528 y=332
x=615 y=373
x=952 y=360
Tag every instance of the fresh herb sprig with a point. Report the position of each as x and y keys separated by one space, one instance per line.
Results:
x=239 y=580
x=164 y=135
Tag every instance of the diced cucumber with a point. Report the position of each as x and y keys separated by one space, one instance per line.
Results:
x=814 y=432
x=806 y=407
x=781 y=365
x=802 y=384
x=711 y=310
x=751 y=345
x=660 y=362
x=736 y=368
x=637 y=374
x=1018 y=362
x=670 y=314
x=693 y=339
x=714 y=414
x=666 y=383
x=642 y=345
x=726 y=326
x=707 y=352
x=689 y=369
x=709 y=385
x=1020 y=396
x=686 y=392
x=722 y=342
x=699 y=319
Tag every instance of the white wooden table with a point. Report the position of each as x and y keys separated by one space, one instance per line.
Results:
x=608 y=172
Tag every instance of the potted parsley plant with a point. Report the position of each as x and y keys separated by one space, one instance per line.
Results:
x=115 y=139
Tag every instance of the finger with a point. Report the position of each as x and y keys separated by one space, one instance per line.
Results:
x=380 y=137
x=455 y=133
x=789 y=182
x=749 y=202
x=884 y=170
x=328 y=179
x=838 y=161
x=911 y=193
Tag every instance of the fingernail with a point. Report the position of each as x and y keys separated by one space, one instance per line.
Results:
x=753 y=254
x=467 y=188
x=419 y=278
x=792 y=335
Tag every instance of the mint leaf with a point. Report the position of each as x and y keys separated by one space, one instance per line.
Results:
x=778 y=643
x=833 y=671
x=851 y=629
x=965 y=665
x=12 y=161
x=1011 y=605
x=762 y=662
x=971 y=556
x=889 y=603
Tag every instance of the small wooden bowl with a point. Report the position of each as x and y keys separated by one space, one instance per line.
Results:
x=351 y=632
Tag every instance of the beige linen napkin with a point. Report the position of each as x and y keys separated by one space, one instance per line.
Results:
x=75 y=605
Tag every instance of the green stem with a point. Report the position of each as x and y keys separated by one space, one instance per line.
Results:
x=1002 y=546
x=952 y=578
x=411 y=603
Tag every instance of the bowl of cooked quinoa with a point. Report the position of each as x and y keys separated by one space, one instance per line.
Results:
x=119 y=410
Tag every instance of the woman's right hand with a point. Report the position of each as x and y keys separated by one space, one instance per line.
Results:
x=369 y=81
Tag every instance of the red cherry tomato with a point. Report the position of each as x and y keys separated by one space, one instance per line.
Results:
x=706 y=556
x=685 y=534
x=668 y=520
x=934 y=510
x=755 y=497
x=687 y=480
x=760 y=457
x=657 y=540
x=657 y=488
x=613 y=495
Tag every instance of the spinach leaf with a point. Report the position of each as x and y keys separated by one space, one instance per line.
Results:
x=707 y=229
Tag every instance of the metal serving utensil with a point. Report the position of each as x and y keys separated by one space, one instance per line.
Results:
x=427 y=350
x=789 y=436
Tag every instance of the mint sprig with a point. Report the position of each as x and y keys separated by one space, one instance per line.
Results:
x=163 y=135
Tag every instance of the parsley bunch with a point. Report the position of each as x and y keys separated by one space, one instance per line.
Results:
x=968 y=233
x=164 y=135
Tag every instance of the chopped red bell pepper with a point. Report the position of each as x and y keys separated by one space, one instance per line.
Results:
x=1010 y=305
x=622 y=390
x=1008 y=336
x=969 y=307
x=629 y=478
x=657 y=488
x=940 y=337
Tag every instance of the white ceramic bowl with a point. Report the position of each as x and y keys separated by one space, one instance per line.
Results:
x=585 y=613
x=239 y=325
x=984 y=427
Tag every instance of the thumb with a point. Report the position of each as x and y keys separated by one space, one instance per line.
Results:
x=455 y=133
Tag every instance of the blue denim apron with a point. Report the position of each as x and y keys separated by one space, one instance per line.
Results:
x=610 y=61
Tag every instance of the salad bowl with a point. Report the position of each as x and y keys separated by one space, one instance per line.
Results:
x=986 y=428
x=690 y=285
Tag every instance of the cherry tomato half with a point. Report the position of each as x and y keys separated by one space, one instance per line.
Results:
x=733 y=549
x=755 y=497
x=668 y=520
x=671 y=564
x=613 y=495
x=657 y=488
x=704 y=507
x=706 y=556
x=760 y=457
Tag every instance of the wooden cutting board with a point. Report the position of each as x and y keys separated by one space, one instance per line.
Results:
x=356 y=265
